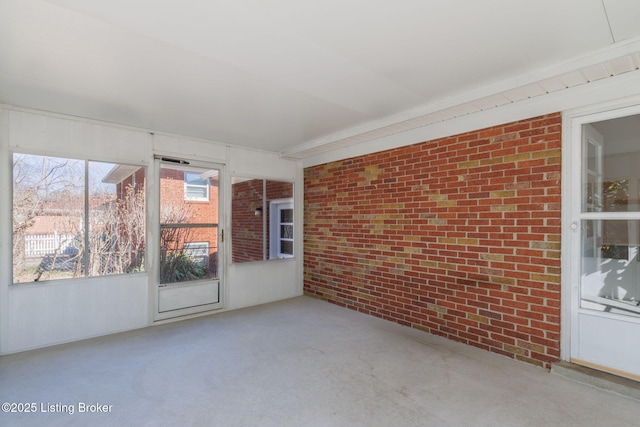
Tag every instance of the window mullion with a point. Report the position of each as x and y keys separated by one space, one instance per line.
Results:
x=265 y=230
x=85 y=254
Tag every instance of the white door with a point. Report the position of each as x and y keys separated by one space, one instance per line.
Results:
x=189 y=255
x=605 y=300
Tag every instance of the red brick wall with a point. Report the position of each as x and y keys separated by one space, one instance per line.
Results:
x=459 y=237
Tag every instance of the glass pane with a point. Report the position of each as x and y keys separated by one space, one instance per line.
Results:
x=611 y=179
x=116 y=219
x=610 y=280
x=286 y=231
x=188 y=230
x=286 y=247
x=258 y=209
x=592 y=165
x=247 y=220
x=286 y=215
x=593 y=155
x=48 y=218
x=188 y=253
x=611 y=266
x=193 y=178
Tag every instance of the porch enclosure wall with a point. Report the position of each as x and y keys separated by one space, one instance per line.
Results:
x=458 y=236
x=43 y=313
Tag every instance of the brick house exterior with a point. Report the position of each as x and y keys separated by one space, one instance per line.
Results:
x=459 y=237
x=246 y=230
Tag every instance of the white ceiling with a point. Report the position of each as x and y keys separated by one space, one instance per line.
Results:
x=298 y=77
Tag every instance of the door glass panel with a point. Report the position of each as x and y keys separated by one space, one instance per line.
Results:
x=188 y=223
x=611 y=266
x=610 y=262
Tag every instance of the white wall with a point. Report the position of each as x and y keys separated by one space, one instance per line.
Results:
x=39 y=314
x=68 y=310
x=265 y=281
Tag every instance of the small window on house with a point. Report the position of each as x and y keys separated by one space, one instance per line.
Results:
x=199 y=252
x=196 y=187
x=281 y=244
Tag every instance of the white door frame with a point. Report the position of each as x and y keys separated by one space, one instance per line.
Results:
x=186 y=292
x=571 y=247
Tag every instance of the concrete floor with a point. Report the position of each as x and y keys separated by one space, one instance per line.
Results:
x=300 y=362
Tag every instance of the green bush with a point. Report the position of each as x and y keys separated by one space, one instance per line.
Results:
x=180 y=267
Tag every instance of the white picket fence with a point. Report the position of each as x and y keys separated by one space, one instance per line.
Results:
x=44 y=244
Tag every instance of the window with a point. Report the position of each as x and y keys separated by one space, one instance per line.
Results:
x=76 y=218
x=262 y=219
x=196 y=187
x=198 y=251
x=281 y=243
